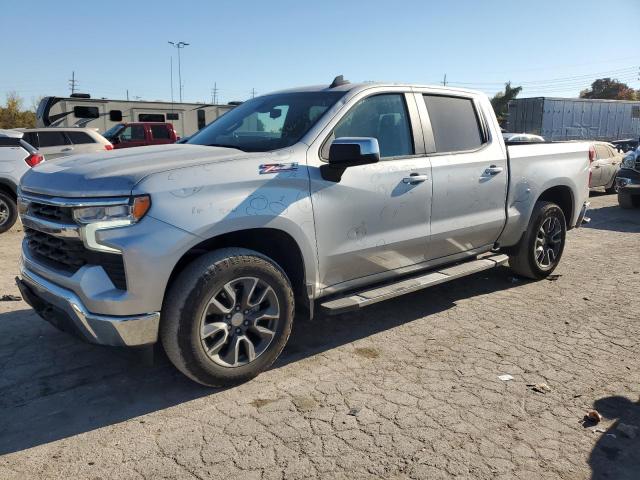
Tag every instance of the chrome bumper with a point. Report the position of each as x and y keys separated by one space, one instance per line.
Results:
x=582 y=218
x=63 y=309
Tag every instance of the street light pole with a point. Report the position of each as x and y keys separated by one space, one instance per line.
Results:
x=179 y=45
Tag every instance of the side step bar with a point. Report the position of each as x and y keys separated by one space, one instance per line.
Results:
x=364 y=298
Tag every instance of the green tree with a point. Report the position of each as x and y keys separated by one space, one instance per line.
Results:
x=500 y=101
x=13 y=116
x=610 y=89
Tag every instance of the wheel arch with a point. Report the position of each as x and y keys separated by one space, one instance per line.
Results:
x=9 y=188
x=561 y=195
x=276 y=244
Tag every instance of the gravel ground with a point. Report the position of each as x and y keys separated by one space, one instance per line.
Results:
x=405 y=389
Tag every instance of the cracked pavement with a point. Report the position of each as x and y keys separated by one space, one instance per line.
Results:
x=406 y=389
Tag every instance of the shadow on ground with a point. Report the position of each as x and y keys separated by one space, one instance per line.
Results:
x=53 y=386
x=617 y=453
x=614 y=218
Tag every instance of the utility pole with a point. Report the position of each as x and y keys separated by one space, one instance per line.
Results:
x=127 y=94
x=179 y=46
x=253 y=93
x=73 y=83
x=444 y=81
x=214 y=94
x=171 y=75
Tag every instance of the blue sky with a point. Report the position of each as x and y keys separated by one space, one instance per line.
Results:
x=552 y=48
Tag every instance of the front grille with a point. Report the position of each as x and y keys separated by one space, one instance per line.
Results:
x=69 y=255
x=51 y=212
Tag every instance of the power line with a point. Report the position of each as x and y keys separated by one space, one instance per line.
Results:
x=214 y=94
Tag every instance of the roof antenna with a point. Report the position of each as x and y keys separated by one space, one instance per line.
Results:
x=339 y=80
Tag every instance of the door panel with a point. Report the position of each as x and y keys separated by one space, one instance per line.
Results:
x=469 y=171
x=371 y=221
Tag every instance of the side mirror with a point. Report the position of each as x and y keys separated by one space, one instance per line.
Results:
x=352 y=151
x=348 y=152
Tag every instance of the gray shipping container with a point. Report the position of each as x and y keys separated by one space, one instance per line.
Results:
x=575 y=118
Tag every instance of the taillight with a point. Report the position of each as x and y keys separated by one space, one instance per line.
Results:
x=34 y=159
x=108 y=146
x=592 y=154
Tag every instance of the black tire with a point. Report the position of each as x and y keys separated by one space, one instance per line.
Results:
x=523 y=259
x=183 y=314
x=612 y=189
x=8 y=212
x=625 y=200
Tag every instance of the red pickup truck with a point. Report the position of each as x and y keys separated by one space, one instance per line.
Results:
x=138 y=134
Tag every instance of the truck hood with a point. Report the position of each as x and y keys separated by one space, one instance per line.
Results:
x=115 y=173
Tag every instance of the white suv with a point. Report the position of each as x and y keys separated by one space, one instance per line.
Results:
x=16 y=157
x=59 y=142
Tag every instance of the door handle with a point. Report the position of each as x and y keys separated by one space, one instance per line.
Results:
x=68 y=149
x=415 y=178
x=493 y=170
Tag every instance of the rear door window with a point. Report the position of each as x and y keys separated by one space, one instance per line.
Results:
x=52 y=139
x=79 y=138
x=31 y=138
x=455 y=123
x=602 y=151
x=160 y=132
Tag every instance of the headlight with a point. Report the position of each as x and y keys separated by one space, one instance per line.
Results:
x=628 y=161
x=98 y=217
x=130 y=212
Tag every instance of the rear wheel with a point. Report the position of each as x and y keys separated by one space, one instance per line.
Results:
x=227 y=317
x=541 y=247
x=625 y=200
x=8 y=212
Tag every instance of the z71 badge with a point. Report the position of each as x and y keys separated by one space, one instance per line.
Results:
x=277 y=167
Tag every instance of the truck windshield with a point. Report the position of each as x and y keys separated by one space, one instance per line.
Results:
x=113 y=131
x=267 y=123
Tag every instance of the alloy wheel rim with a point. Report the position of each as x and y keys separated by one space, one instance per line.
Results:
x=239 y=322
x=548 y=243
x=4 y=212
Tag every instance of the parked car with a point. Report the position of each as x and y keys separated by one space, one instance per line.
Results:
x=332 y=197
x=628 y=180
x=139 y=134
x=56 y=142
x=626 y=145
x=521 y=138
x=16 y=157
x=605 y=164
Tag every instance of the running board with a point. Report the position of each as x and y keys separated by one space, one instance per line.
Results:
x=364 y=298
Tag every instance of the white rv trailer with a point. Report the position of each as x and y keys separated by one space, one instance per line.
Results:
x=82 y=111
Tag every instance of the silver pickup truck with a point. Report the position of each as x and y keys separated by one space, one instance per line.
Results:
x=328 y=197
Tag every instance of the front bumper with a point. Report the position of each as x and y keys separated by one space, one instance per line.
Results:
x=628 y=182
x=64 y=310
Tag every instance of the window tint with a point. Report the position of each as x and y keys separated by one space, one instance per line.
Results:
x=86 y=112
x=173 y=116
x=132 y=132
x=160 y=131
x=115 y=115
x=52 y=139
x=151 y=117
x=383 y=117
x=78 y=138
x=31 y=138
x=454 y=123
x=201 y=119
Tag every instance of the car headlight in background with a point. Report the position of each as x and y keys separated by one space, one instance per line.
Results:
x=628 y=161
x=104 y=217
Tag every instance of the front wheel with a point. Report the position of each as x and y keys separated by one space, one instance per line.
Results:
x=227 y=317
x=541 y=247
x=8 y=212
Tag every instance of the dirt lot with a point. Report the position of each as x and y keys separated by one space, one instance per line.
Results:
x=404 y=389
